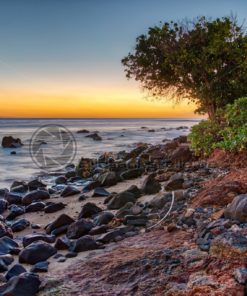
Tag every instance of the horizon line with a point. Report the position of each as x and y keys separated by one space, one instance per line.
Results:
x=80 y=118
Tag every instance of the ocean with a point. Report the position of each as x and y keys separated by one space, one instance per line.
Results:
x=117 y=135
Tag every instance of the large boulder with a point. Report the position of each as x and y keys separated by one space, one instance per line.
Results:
x=60 y=221
x=79 y=228
x=83 y=244
x=237 y=210
x=25 y=284
x=36 y=252
x=89 y=210
x=150 y=185
x=10 y=142
x=35 y=195
x=120 y=199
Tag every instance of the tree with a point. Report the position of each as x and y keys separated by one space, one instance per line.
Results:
x=204 y=61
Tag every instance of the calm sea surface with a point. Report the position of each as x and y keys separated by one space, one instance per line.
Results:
x=117 y=135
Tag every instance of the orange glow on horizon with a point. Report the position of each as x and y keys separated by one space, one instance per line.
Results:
x=88 y=103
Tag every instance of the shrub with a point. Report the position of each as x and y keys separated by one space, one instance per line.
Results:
x=228 y=131
x=203 y=136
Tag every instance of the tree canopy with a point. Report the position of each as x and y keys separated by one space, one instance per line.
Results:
x=203 y=60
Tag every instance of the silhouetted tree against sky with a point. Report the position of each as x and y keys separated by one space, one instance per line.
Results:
x=203 y=60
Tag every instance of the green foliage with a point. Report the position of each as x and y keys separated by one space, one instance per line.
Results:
x=203 y=136
x=229 y=133
x=202 y=60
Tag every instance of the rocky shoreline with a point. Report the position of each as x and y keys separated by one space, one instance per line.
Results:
x=97 y=228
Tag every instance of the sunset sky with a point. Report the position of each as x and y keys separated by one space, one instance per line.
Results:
x=61 y=58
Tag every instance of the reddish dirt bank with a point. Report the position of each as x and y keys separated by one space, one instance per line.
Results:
x=154 y=263
x=160 y=262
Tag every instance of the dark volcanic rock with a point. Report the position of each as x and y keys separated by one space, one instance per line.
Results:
x=90 y=186
x=69 y=191
x=35 y=207
x=3 y=266
x=25 y=284
x=100 y=191
x=175 y=182
x=89 y=210
x=61 y=180
x=8 y=246
x=35 y=184
x=10 y=142
x=103 y=218
x=98 y=230
x=83 y=244
x=108 y=179
x=134 y=190
x=60 y=230
x=120 y=199
x=79 y=228
x=3 y=192
x=62 y=220
x=30 y=238
x=15 y=270
x=7 y=259
x=70 y=174
x=36 y=252
x=237 y=210
x=3 y=205
x=160 y=200
x=95 y=137
x=112 y=235
x=83 y=131
x=20 y=225
x=62 y=243
x=131 y=174
x=54 y=207
x=5 y=230
x=17 y=183
x=40 y=267
x=150 y=185
x=35 y=195
x=19 y=189
x=13 y=197
x=181 y=155
x=15 y=211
